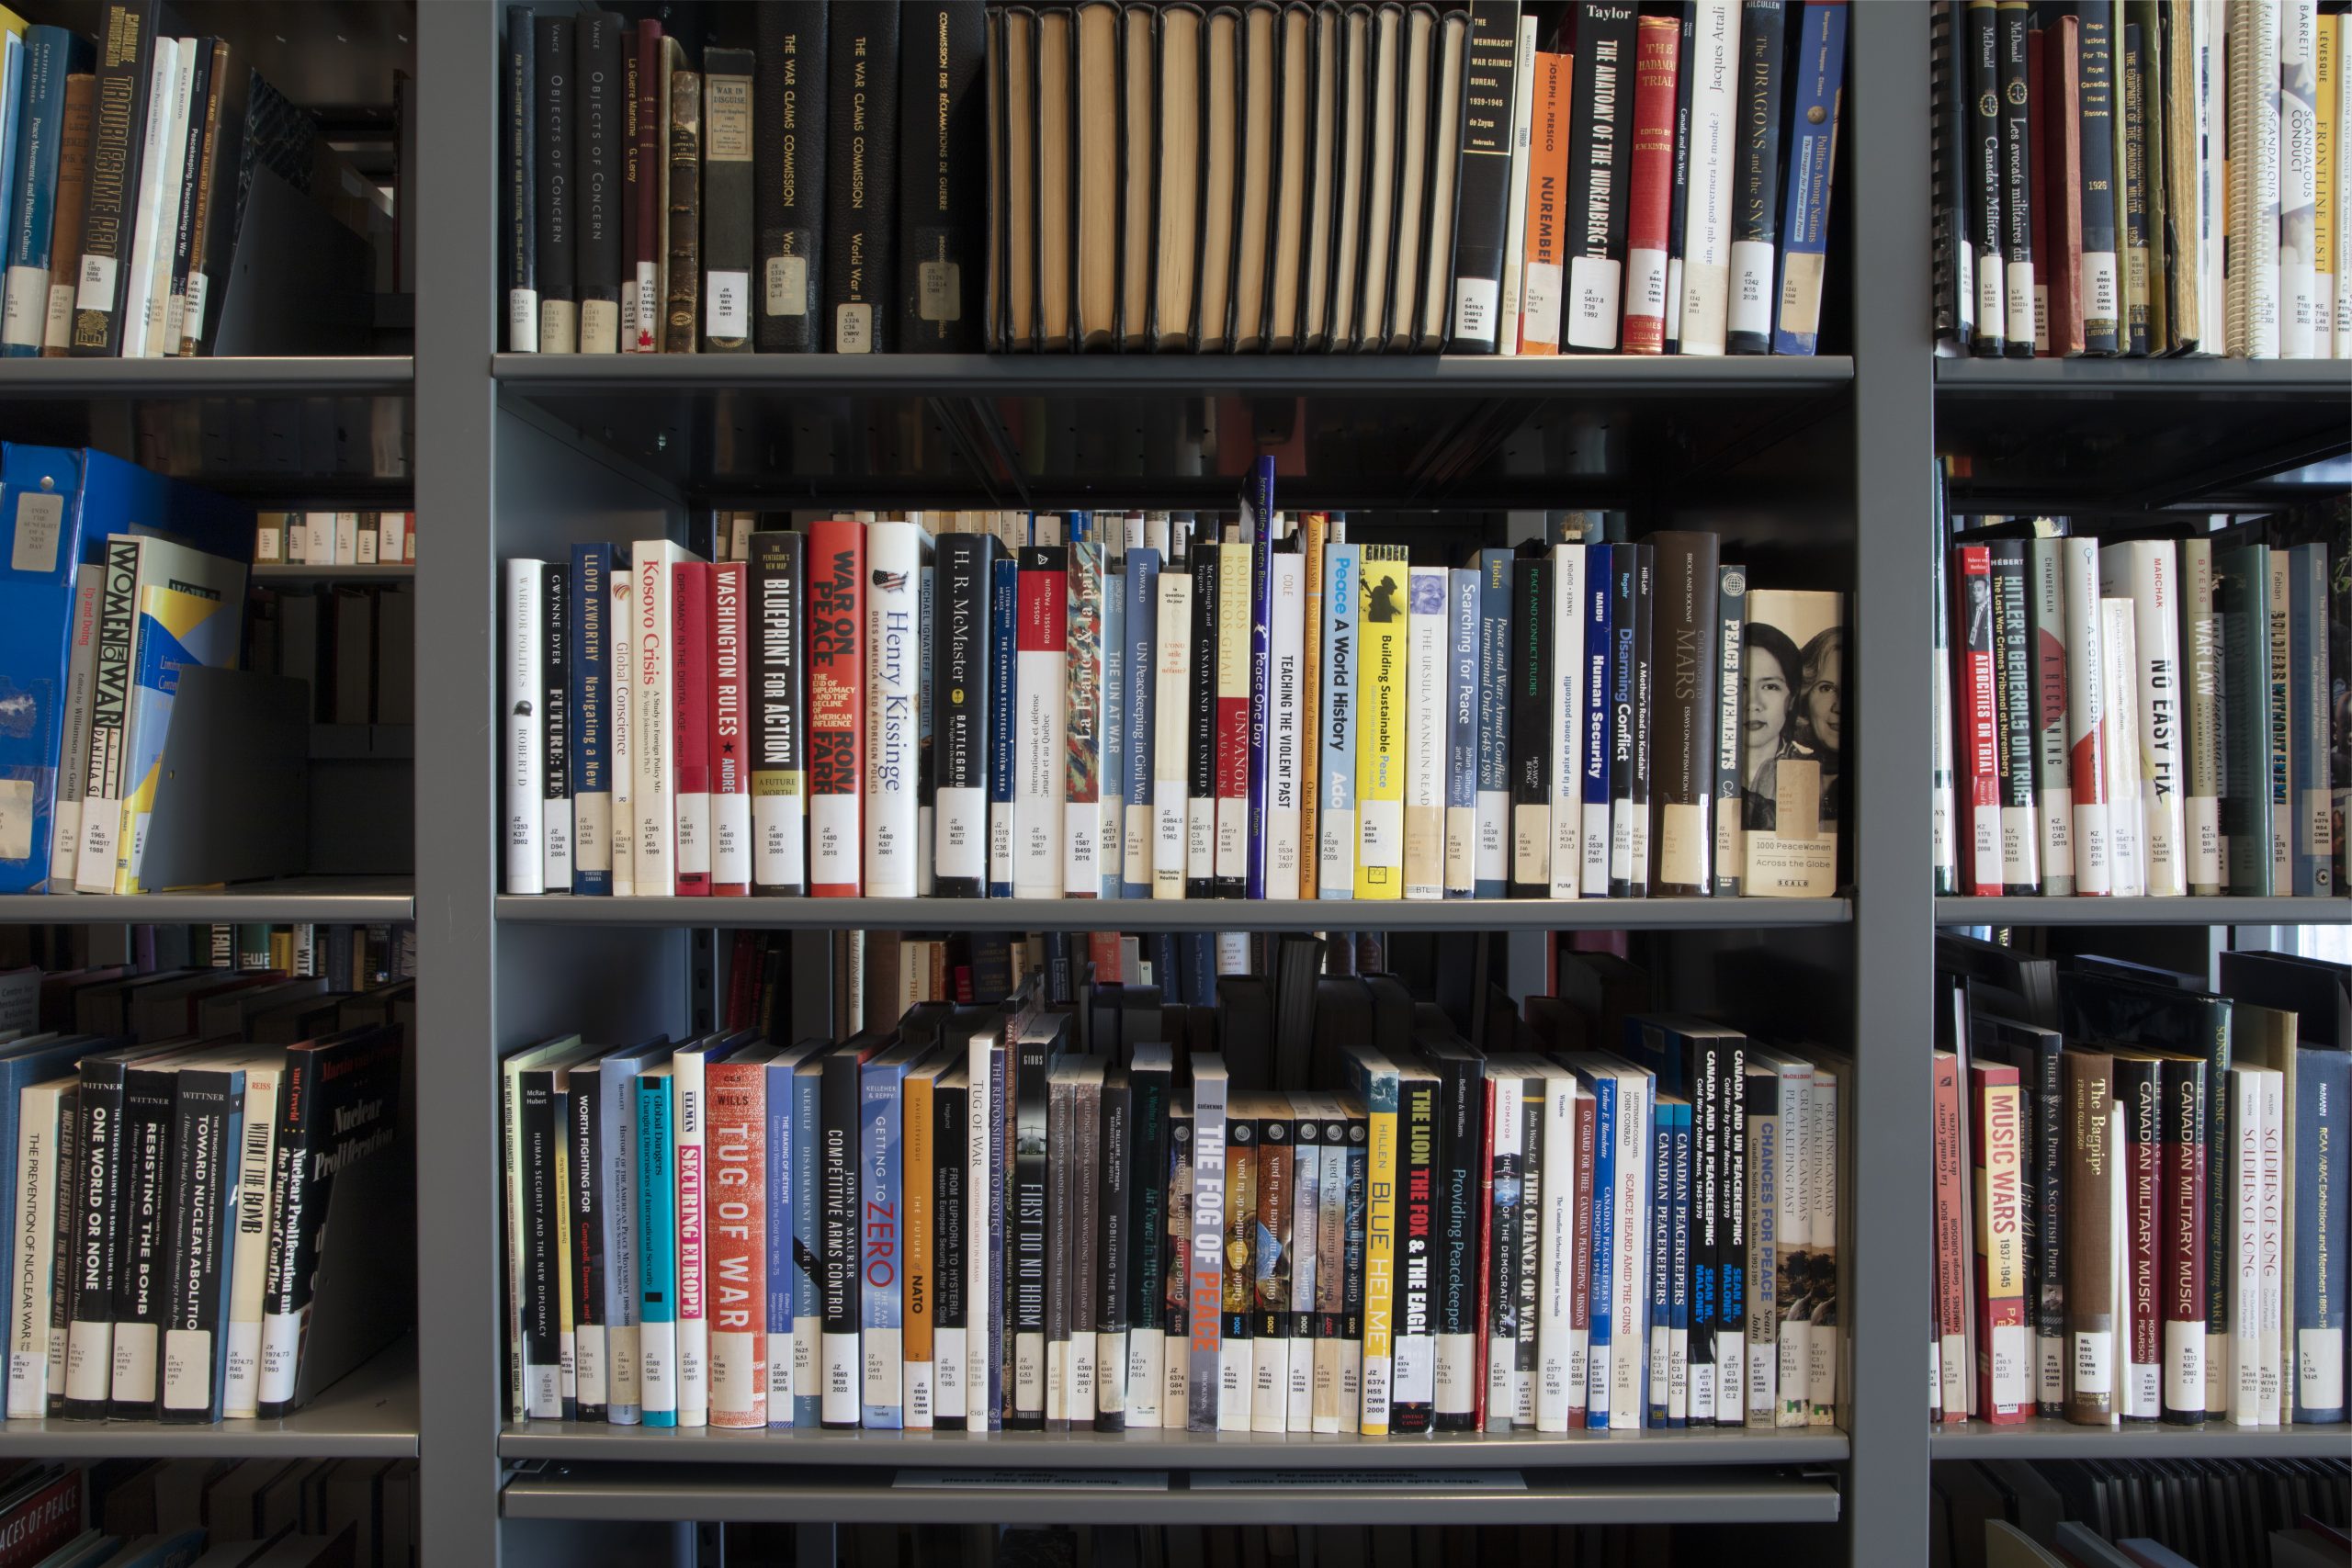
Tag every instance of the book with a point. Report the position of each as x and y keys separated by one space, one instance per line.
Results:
x=694 y=668
x=1683 y=748
x=1485 y=176
x=1380 y=737
x=1817 y=70
x=836 y=709
x=1790 y=801
x=1039 y=725
x=860 y=269
x=1602 y=140
x=1650 y=181
x=1533 y=705
x=791 y=75
x=894 y=651
x=1338 y=843
x=1756 y=182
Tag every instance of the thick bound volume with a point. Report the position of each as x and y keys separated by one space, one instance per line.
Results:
x=126 y=57
x=860 y=194
x=556 y=195
x=965 y=563
x=1483 y=183
x=1600 y=146
x=1755 y=178
x=788 y=122
x=521 y=179
x=779 y=667
x=726 y=187
x=836 y=706
x=943 y=221
x=1985 y=177
x=1683 y=748
x=1530 y=729
x=598 y=69
x=683 y=225
x=1955 y=259
x=2092 y=1149
x=2100 y=289
x=1650 y=170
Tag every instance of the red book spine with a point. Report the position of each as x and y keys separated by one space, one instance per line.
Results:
x=743 y=980
x=1485 y=1252
x=1580 y=1268
x=1980 y=864
x=2184 y=1220
x=689 y=740
x=2064 y=151
x=632 y=97
x=836 y=707
x=731 y=802
x=652 y=152
x=2037 y=172
x=2143 y=1218
x=1951 y=1242
x=1650 y=197
x=2004 y=1346
x=42 y=1521
x=735 y=1228
x=1103 y=951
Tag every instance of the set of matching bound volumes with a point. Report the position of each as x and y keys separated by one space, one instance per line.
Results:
x=335 y=538
x=974 y=1219
x=2143 y=177
x=204 y=1512
x=2139 y=1196
x=1097 y=706
x=114 y=579
x=818 y=186
x=2143 y=717
x=173 y=1140
x=2143 y=1513
x=1412 y=179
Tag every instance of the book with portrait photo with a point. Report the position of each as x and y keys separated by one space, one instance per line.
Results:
x=1791 y=680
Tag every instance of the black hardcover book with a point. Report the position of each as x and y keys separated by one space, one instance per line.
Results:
x=951 y=1134
x=682 y=224
x=1351 y=1222
x=726 y=201
x=557 y=200
x=1987 y=174
x=838 y=1286
x=1509 y=1212
x=567 y=1199
x=186 y=245
x=2101 y=291
x=788 y=125
x=2016 y=182
x=942 y=148
x=1704 y=1079
x=1414 y=1408
x=1461 y=1148
x=555 y=611
x=586 y=1122
x=1645 y=708
x=1033 y=1060
x=2133 y=85
x=1683 y=740
x=538 y=1159
x=1625 y=634
x=1680 y=198
x=1600 y=150
x=1152 y=1082
x=1201 y=774
x=1483 y=183
x=192 y=1266
x=1756 y=176
x=65 y=1284
x=1112 y=1254
x=1954 y=263
x=2013 y=659
x=126 y=61
x=598 y=69
x=1531 y=727
x=965 y=565
x=521 y=132
x=141 y=1276
x=98 y=1218
x=861 y=196
x=779 y=756
x=1535 y=1165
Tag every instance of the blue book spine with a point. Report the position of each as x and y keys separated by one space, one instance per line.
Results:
x=1109 y=849
x=880 y=1252
x=1493 y=855
x=1262 y=615
x=1140 y=645
x=1004 y=604
x=808 y=1220
x=620 y=1208
x=1603 y=1218
x=2308 y=699
x=40 y=527
x=2322 y=1079
x=1816 y=71
x=1336 y=825
x=1678 y=1410
x=13 y=47
x=1657 y=1349
x=49 y=54
x=781 y=1192
x=1462 y=732
x=657 y=1230
x=1599 y=674
x=591 y=716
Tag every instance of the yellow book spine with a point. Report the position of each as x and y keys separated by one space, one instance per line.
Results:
x=1379 y=1268
x=916 y=1160
x=1380 y=724
x=2329 y=57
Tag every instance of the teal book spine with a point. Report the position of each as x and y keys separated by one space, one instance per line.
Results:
x=657 y=1225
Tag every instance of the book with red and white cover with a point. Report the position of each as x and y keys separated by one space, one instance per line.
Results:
x=1973 y=699
x=2086 y=719
x=653 y=796
x=735 y=1226
x=690 y=650
x=1658 y=45
x=1039 y=767
x=894 y=653
x=2147 y=571
x=836 y=707
x=730 y=753
x=2004 y=1342
x=2126 y=826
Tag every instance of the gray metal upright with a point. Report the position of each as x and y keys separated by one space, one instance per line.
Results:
x=1886 y=1496
x=461 y=1382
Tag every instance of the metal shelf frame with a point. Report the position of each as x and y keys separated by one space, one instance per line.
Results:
x=327 y=900
x=370 y=1412
x=2221 y=912
x=2041 y=1438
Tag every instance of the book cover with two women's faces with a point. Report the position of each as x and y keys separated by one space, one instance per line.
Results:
x=1790 y=741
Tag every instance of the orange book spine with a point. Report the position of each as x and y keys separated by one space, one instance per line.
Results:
x=1547 y=206
x=1951 y=1244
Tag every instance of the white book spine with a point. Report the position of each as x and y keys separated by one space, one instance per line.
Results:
x=893 y=650
x=2245 y=1090
x=165 y=308
x=1515 y=213
x=2301 y=318
x=654 y=733
x=1557 y=1364
x=248 y=1248
x=2148 y=572
x=1287 y=729
x=1706 y=225
x=1270 y=1391
x=1630 y=1257
x=2282 y=731
x=1426 y=627
x=2254 y=176
x=73 y=750
x=346 y=538
x=2119 y=660
x=692 y=1112
x=1038 y=773
x=2274 y=1193
x=2047 y=585
x=1569 y=595
x=1171 y=707
x=525 y=752
x=2086 y=711
x=1822 y=1354
x=621 y=622
x=162 y=83
x=1795 y=1225
x=556 y=827
x=317 y=538
x=32 y=1238
x=1176 y=1384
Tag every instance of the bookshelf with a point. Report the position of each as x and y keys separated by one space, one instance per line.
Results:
x=370 y=1413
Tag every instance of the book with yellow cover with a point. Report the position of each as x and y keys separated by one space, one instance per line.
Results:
x=1380 y=724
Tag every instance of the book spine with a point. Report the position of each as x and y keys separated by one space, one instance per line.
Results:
x=1205 y=1260
x=2139 y=1093
x=1600 y=653
x=78 y=134
x=1231 y=722
x=554 y=201
x=1657 y=1285
x=2147 y=573
x=690 y=1119
x=941 y=222
x=1731 y=650
x=1715 y=72
x=597 y=72
x=2185 y=1217
x=658 y=1383
x=781 y=1195
x=1679 y=190
x=2300 y=316
x=779 y=578
x=1306 y=1262
x=2053 y=795
x=1236 y=1287
x=2013 y=675
x=731 y=848
x=1563 y=717
x=2314 y=1353
x=2310 y=702
x=1684 y=750
x=1080 y=843
x=861 y=196
x=1462 y=714
x=2281 y=760
x=1680 y=1240
x=1138 y=841
x=1424 y=734
x=959 y=653
x=2200 y=639
x=589 y=713
x=1483 y=179
x=1149 y=1207
x=1630 y=1282
x=1522 y=96
x=1414 y=1365
x=952 y=1315
x=1531 y=705
x=736 y=1218
x=1260 y=712
x=2004 y=1361
x=682 y=252
x=1816 y=81
x=789 y=124
x=1984 y=175
x=32 y=198
x=2248 y=1089
x=1172 y=680
x=1543 y=274
x=656 y=687
x=1650 y=168
x=1381 y=1216
x=888 y=1109
x=1633 y=805
x=149 y=1187
x=207 y=1127
x=1004 y=615
x=1599 y=1203
x=1509 y=1214
x=693 y=671
x=836 y=707
x=1114 y=1256
x=1600 y=146
x=727 y=173
x=1706 y=1090
x=1041 y=766
x=526 y=758
x=1559 y=1391
x=44 y=1192
x=839 y=1282
x=1756 y=180
x=1337 y=852
x=2086 y=735
x=2131 y=150
x=118 y=160
x=804 y=1244
x=102 y=783
x=2100 y=287
x=1984 y=866
x=1272 y=1273
x=1380 y=730
x=1289 y=736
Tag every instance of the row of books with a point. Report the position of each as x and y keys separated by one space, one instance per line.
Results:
x=348 y=957
x=2139 y=1200
x=335 y=538
x=816 y=188
x=196 y=1513
x=188 y=1125
x=2127 y=716
x=2143 y=1513
x=1413 y=178
x=2143 y=177
x=1208 y=1542
x=354 y=643
x=1036 y=705
x=126 y=166
x=965 y=1220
